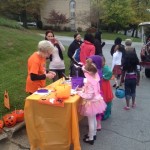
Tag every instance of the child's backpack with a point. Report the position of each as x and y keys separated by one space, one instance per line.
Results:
x=107 y=73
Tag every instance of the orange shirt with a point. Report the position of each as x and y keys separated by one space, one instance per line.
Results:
x=36 y=65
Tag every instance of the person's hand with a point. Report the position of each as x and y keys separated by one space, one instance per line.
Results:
x=56 y=41
x=79 y=89
x=50 y=75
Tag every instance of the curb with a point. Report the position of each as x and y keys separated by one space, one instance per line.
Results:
x=8 y=132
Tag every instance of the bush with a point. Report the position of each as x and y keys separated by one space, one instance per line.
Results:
x=79 y=29
x=10 y=23
x=67 y=29
x=53 y=28
x=48 y=27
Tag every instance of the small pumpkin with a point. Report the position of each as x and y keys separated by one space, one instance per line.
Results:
x=9 y=120
x=63 y=91
x=1 y=124
x=19 y=115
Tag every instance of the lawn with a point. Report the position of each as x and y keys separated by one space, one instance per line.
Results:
x=105 y=35
x=16 y=46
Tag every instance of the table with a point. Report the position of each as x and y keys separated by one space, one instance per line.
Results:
x=51 y=127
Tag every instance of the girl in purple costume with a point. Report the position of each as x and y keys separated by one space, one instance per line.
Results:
x=97 y=60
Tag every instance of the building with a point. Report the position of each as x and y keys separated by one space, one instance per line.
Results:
x=78 y=11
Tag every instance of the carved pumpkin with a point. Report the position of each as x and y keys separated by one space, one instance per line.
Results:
x=19 y=115
x=9 y=120
x=1 y=124
x=63 y=91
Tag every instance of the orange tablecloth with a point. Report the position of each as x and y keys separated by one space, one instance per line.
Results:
x=51 y=127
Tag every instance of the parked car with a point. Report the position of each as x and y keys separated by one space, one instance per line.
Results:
x=31 y=24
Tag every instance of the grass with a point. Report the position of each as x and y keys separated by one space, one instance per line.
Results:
x=9 y=23
x=15 y=48
x=105 y=35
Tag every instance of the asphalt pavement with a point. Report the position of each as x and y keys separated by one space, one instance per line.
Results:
x=125 y=130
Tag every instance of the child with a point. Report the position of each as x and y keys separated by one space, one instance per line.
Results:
x=97 y=60
x=106 y=89
x=131 y=76
x=92 y=103
x=116 y=64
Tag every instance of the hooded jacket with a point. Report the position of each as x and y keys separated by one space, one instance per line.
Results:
x=87 y=49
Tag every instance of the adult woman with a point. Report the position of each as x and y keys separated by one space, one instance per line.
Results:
x=56 y=59
x=98 y=44
x=71 y=50
x=74 y=45
x=37 y=75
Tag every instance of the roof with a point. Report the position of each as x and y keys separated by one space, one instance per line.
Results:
x=144 y=23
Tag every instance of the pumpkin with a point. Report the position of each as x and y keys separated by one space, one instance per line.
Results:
x=63 y=91
x=1 y=124
x=9 y=120
x=19 y=115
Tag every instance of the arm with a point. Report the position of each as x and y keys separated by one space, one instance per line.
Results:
x=122 y=77
x=103 y=44
x=112 y=50
x=113 y=63
x=138 y=75
x=88 y=93
x=35 y=77
x=61 y=46
x=70 y=51
x=92 y=52
x=49 y=75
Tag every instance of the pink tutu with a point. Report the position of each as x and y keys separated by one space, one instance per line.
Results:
x=91 y=108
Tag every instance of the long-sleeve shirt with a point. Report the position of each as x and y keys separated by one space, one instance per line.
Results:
x=87 y=49
x=57 y=62
x=117 y=57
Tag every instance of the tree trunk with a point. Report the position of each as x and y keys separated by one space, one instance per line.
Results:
x=133 y=33
x=125 y=32
x=136 y=33
x=24 y=18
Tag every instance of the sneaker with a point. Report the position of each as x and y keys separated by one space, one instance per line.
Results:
x=126 y=108
x=86 y=136
x=87 y=140
x=133 y=105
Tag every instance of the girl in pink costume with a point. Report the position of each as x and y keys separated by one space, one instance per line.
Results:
x=92 y=102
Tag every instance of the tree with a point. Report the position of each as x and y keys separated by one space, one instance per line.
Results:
x=141 y=13
x=22 y=8
x=97 y=11
x=118 y=14
x=57 y=18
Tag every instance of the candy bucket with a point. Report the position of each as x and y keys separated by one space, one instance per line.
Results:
x=77 y=81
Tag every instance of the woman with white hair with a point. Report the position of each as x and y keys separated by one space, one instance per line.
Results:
x=37 y=74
